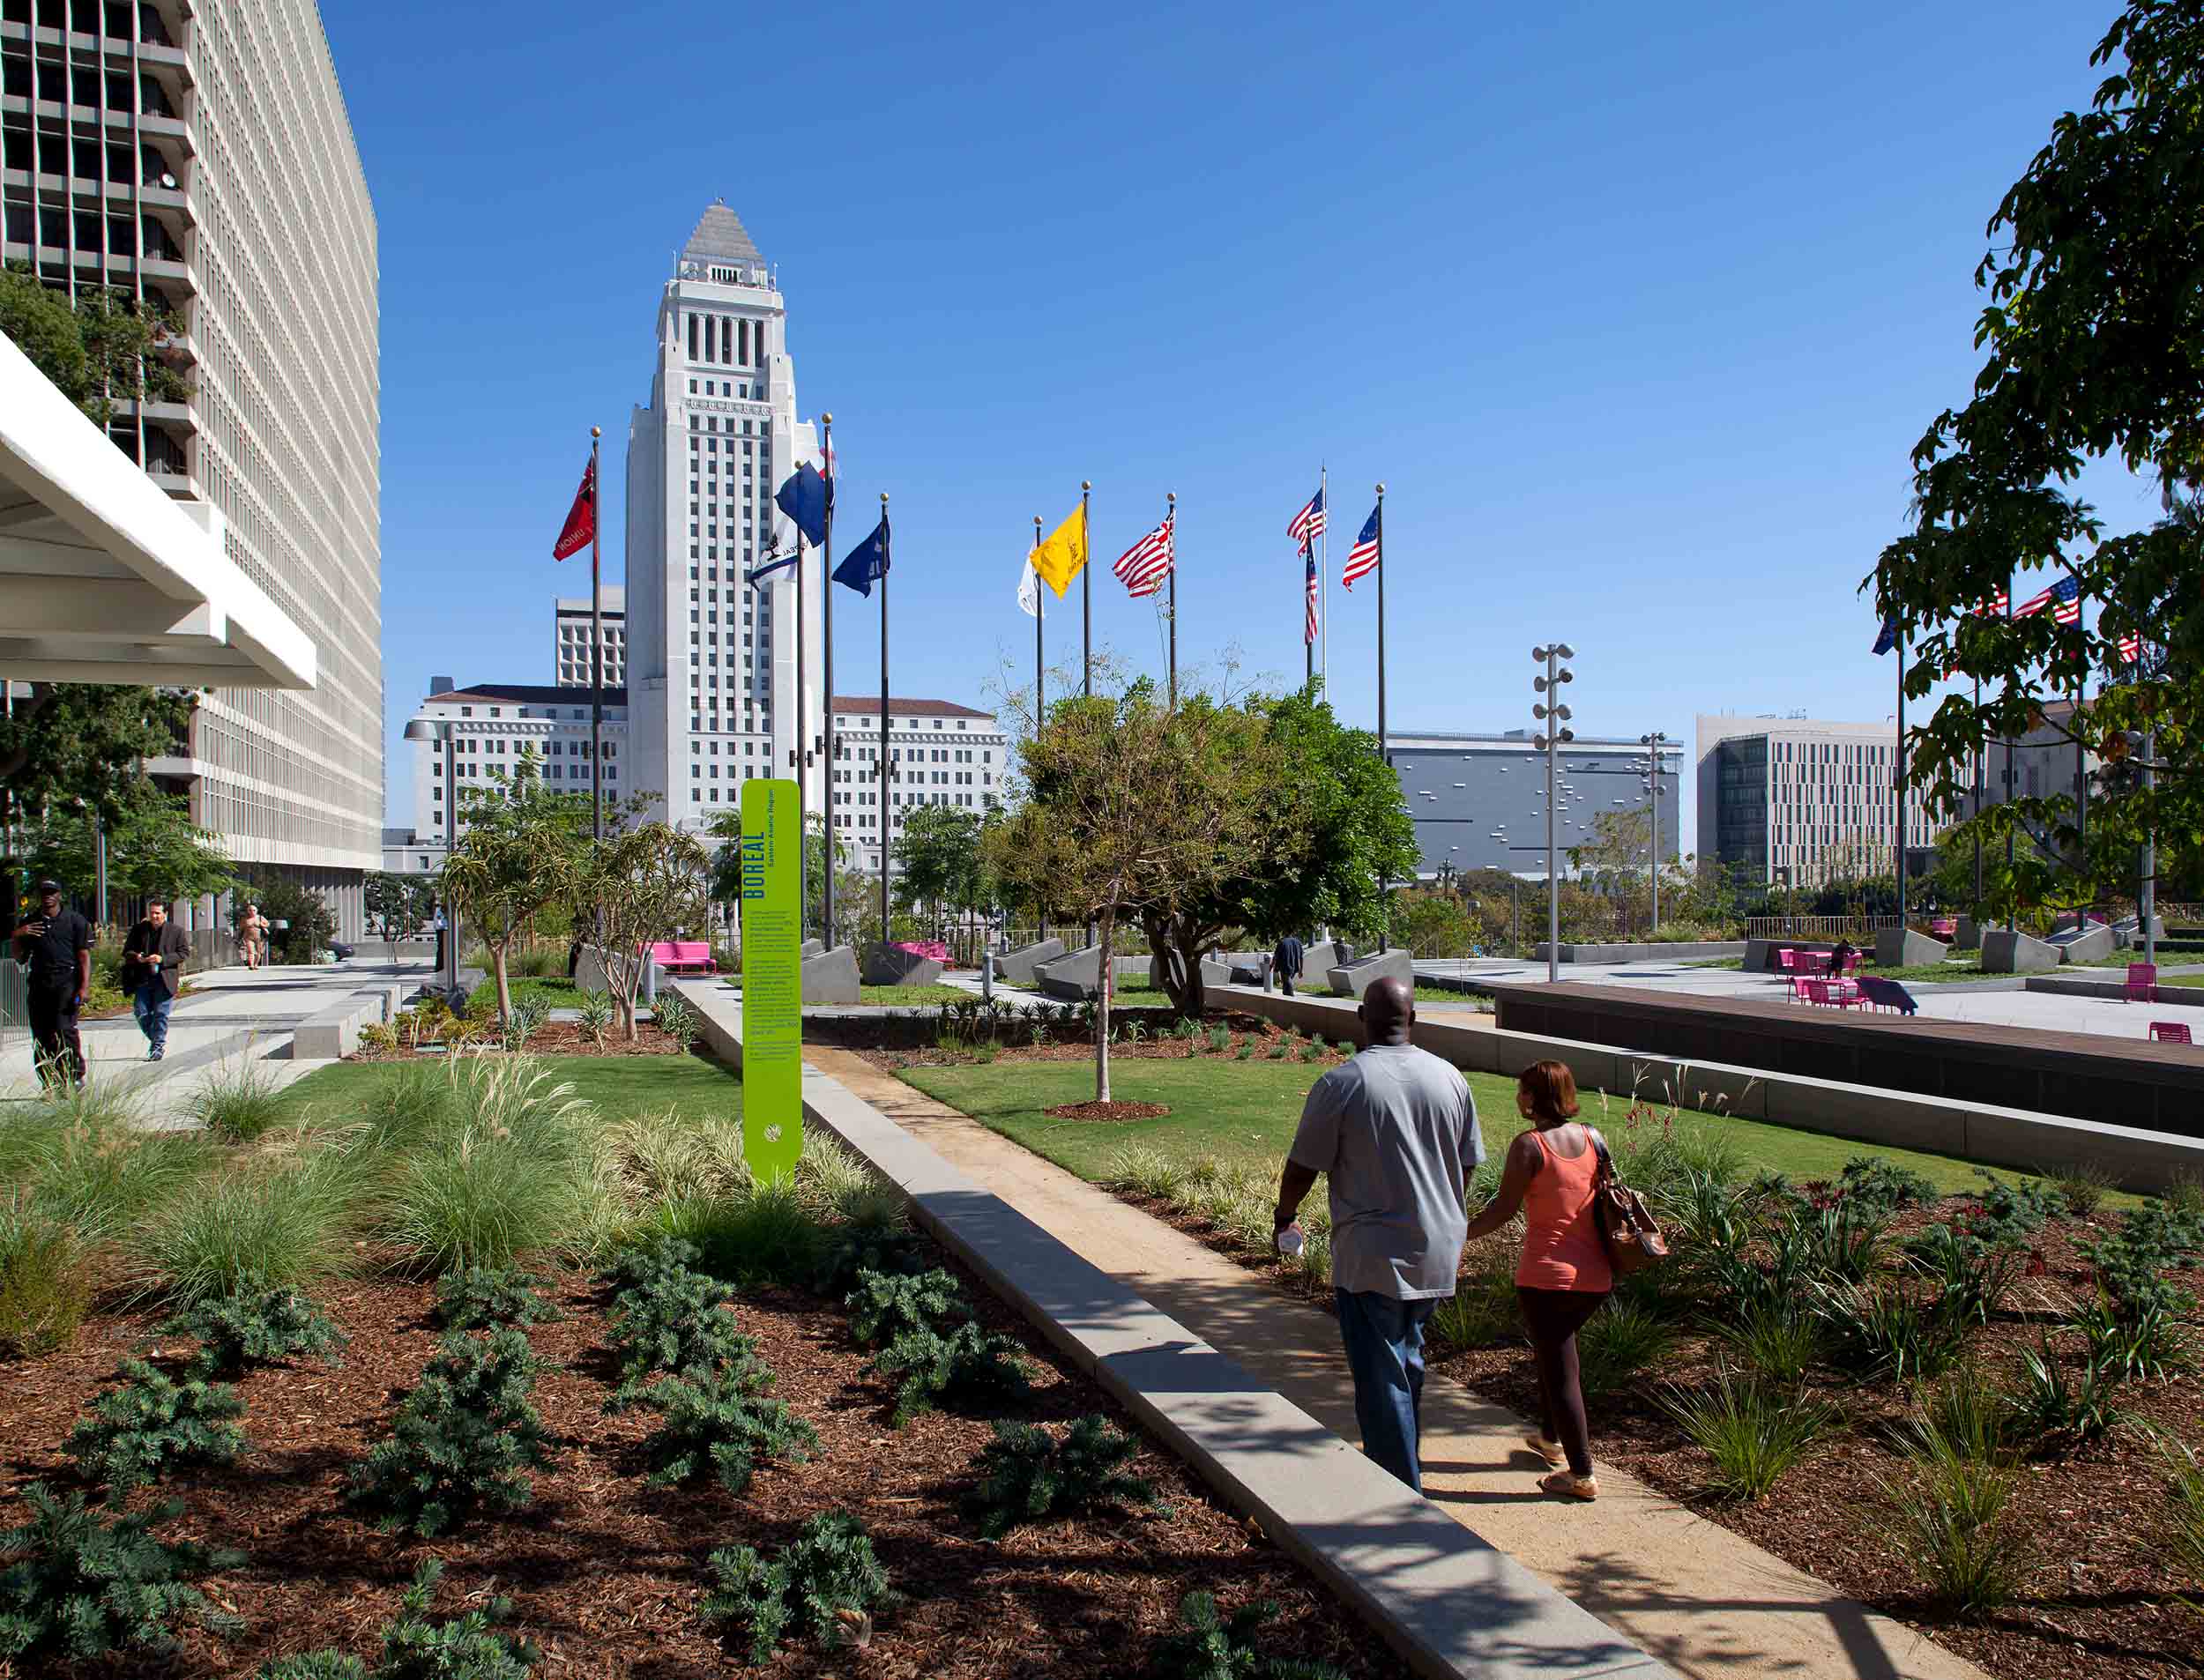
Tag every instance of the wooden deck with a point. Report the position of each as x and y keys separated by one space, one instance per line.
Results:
x=2088 y=1076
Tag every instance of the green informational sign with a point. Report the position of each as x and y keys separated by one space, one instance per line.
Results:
x=772 y=978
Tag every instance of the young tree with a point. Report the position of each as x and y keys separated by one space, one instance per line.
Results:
x=153 y=850
x=1134 y=808
x=398 y=905
x=2092 y=336
x=939 y=863
x=641 y=886
x=1332 y=831
x=520 y=853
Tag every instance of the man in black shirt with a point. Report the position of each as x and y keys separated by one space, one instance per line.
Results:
x=1285 y=963
x=53 y=944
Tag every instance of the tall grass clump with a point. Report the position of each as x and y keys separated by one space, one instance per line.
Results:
x=273 y=1224
x=763 y=1235
x=1773 y=1341
x=86 y=1159
x=1617 y=1342
x=1754 y=1431
x=670 y=1155
x=1948 y=1520
x=2184 y=1516
x=506 y=1172
x=414 y=1100
x=239 y=1102
x=44 y=1293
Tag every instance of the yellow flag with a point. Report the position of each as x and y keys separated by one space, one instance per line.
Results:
x=1061 y=557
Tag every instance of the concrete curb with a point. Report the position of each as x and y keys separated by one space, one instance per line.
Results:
x=1451 y=1605
x=2018 y=1139
x=334 y=1033
x=2170 y=997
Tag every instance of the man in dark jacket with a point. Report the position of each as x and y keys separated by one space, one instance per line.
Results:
x=1285 y=963
x=53 y=944
x=153 y=960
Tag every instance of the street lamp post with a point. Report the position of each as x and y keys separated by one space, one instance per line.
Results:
x=439 y=730
x=1554 y=719
x=1653 y=744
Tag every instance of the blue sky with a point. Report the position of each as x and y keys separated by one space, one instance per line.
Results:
x=1637 y=311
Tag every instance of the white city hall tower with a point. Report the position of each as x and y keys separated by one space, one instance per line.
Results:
x=712 y=662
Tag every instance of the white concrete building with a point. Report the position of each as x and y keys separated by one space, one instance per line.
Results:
x=1803 y=801
x=491 y=725
x=196 y=155
x=712 y=662
x=570 y=639
x=939 y=753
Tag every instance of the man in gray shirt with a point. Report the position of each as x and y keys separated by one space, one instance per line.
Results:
x=1394 y=1131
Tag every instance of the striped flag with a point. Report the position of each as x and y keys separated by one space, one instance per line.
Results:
x=2131 y=648
x=1365 y=556
x=1308 y=525
x=1308 y=627
x=2064 y=597
x=1143 y=567
x=1994 y=607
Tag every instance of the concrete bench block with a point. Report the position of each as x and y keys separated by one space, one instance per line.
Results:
x=2012 y=953
x=1075 y=977
x=1015 y=968
x=334 y=1033
x=1353 y=980
x=885 y=965
x=830 y=977
x=1233 y=968
x=2094 y=946
x=1901 y=948
x=812 y=947
x=1967 y=936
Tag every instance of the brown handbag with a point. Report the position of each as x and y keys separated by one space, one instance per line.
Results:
x=1633 y=1237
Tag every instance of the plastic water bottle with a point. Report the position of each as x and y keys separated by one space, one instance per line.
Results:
x=1291 y=1241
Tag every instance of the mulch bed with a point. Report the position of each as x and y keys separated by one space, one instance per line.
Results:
x=2099 y=1603
x=1258 y=1035
x=553 y=1038
x=1107 y=1110
x=605 y=1573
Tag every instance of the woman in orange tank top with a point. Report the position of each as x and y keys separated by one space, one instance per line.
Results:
x=1564 y=1274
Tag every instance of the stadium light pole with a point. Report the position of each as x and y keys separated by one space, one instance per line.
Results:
x=1553 y=730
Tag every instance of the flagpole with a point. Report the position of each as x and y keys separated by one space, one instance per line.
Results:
x=1086 y=591
x=1385 y=757
x=1308 y=641
x=826 y=656
x=1982 y=759
x=801 y=755
x=885 y=846
x=1323 y=575
x=2010 y=924
x=1040 y=599
x=1171 y=518
x=596 y=647
x=1901 y=788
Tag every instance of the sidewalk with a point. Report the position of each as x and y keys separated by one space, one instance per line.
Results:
x=1701 y=1599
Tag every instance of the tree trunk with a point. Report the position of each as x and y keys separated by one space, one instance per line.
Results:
x=1176 y=946
x=1102 y=989
x=504 y=987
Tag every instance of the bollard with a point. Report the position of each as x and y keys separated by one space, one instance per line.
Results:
x=986 y=975
x=1266 y=974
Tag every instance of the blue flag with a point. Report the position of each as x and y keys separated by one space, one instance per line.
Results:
x=766 y=567
x=866 y=562
x=1888 y=639
x=803 y=498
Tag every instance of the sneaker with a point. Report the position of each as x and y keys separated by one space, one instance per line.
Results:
x=154 y=1055
x=1569 y=1486
x=1550 y=1451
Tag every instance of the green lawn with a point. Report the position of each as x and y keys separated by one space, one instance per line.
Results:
x=558 y=994
x=908 y=996
x=1245 y=1112
x=618 y=1085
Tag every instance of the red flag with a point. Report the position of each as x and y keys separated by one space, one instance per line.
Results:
x=581 y=518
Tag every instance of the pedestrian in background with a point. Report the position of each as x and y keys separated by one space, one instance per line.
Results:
x=1394 y=1133
x=54 y=943
x=252 y=937
x=1564 y=1276
x=1285 y=963
x=155 y=954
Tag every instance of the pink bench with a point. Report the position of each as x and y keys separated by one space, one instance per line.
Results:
x=684 y=956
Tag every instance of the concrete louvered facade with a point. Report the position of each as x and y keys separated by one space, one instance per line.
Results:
x=197 y=154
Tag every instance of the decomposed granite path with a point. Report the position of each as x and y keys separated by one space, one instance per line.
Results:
x=1705 y=1601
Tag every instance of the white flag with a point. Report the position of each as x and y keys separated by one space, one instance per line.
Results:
x=1029 y=592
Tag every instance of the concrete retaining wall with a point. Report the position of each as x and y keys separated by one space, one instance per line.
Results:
x=2143 y=1161
x=334 y=1033
x=1646 y=951
x=1016 y=967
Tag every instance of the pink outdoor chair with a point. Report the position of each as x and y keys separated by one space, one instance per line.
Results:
x=2142 y=982
x=2170 y=1032
x=1789 y=958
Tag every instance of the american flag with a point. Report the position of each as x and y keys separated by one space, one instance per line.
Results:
x=1308 y=525
x=2064 y=597
x=2131 y=647
x=1308 y=625
x=1994 y=607
x=1143 y=567
x=1363 y=558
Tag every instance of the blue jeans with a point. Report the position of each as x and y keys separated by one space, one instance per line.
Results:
x=1385 y=1351
x=151 y=1004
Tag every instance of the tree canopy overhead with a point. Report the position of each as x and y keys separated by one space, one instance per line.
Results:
x=2093 y=342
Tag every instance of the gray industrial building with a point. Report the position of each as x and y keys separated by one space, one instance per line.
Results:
x=1479 y=801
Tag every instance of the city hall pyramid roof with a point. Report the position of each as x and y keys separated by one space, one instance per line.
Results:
x=721 y=237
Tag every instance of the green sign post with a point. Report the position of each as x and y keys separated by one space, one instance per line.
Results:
x=772 y=978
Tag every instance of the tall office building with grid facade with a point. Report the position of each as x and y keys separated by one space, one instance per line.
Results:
x=712 y=661
x=196 y=155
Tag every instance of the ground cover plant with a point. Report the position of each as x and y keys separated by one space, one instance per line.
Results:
x=607 y=1565
x=1826 y=1307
